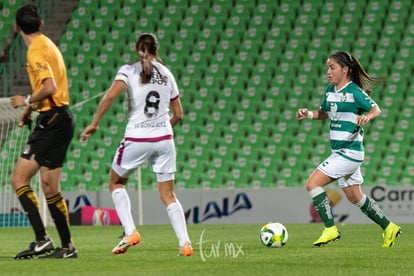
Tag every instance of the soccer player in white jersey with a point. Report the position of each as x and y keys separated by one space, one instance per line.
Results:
x=348 y=108
x=152 y=91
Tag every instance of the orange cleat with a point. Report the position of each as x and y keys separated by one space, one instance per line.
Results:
x=186 y=250
x=126 y=242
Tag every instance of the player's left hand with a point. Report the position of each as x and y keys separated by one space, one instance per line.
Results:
x=362 y=120
x=89 y=130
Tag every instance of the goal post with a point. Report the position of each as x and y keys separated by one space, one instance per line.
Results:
x=12 y=141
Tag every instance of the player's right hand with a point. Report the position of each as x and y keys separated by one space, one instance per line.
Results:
x=302 y=113
x=25 y=118
x=89 y=130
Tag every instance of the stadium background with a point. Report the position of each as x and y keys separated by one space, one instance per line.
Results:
x=243 y=67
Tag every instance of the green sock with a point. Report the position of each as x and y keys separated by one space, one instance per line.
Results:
x=371 y=209
x=322 y=205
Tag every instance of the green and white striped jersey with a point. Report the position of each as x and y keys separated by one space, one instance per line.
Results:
x=343 y=107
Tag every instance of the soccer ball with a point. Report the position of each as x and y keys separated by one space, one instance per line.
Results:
x=273 y=234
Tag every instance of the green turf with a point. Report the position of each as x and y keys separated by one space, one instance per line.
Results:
x=224 y=250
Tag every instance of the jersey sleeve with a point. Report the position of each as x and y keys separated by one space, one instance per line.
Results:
x=175 y=93
x=38 y=62
x=363 y=101
x=122 y=74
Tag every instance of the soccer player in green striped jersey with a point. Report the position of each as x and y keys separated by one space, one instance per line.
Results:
x=348 y=106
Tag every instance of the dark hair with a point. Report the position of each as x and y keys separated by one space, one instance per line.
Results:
x=28 y=19
x=147 y=50
x=356 y=72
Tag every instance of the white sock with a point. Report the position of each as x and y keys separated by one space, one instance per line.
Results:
x=316 y=191
x=362 y=201
x=123 y=209
x=176 y=214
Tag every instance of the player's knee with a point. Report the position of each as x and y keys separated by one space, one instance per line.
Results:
x=310 y=185
x=167 y=197
x=19 y=180
x=166 y=190
x=353 y=198
x=13 y=180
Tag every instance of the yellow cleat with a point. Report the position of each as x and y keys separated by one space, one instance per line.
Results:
x=390 y=234
x=328 y=234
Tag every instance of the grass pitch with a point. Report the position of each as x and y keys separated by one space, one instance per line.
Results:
x=218 y=250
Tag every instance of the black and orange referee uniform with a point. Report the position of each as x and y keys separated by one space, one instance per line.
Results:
x=54 y=127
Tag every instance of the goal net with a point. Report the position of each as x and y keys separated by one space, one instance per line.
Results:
x=12 y=141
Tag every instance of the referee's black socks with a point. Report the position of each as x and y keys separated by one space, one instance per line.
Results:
x=60 y=214
x=30 y=204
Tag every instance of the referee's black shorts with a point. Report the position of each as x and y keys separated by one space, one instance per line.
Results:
x=50 y=138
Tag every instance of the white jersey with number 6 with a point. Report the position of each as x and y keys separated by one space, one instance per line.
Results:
x=149 y=119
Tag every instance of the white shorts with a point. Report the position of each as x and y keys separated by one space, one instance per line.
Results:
x=130 y=155
x=347 y=172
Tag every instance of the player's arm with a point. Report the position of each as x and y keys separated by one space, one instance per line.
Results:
x=116 y=88
x=48 y=89
x=177 y=111
x=304 y=113
x=36 y=59
x=371 y=115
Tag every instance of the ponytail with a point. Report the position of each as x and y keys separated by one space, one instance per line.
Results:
x=147 y=50
x=356 y=72
x=147 y=67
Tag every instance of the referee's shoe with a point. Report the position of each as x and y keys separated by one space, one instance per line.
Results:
x=62 y=253
x=37 y=248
